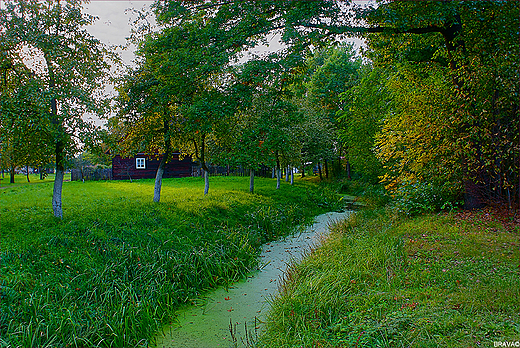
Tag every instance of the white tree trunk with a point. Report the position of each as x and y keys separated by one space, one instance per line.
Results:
x=292 y=176
x=287 y=174
x=251 y=180
x=56 y=194
x=206 y=182
x=278 y=177
x=158 y=184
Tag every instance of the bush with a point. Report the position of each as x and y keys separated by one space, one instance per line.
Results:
x=423 y=197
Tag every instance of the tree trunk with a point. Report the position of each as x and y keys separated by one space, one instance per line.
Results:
x=278 y=171
x=206 y=182
x=292 y=176
x=319 y=171
x=162 y=164
x=287 y=174
x=251 y=180
x=348 y=170
x=303 y=170
x=27 y=172
x=204 y=166
x=11 y=173
x=158 y=182
x=326 y=169
x=56 y=193
x=58 y=180
x=59 y=150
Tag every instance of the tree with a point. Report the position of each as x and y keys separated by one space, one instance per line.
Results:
x=330 y=73
x=276 y=116
x=205 y=117
x=418 y=140
x=22 y=138
x=366 y=105
x=73 y=68
x=147 y=119
x=463 y=83
x=316 y=133
x=452 y=33
x=176 y=98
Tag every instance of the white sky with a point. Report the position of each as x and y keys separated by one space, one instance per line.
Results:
x=115 y=23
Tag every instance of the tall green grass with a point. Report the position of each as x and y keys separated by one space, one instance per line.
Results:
x=378 y=281
x=118 y=265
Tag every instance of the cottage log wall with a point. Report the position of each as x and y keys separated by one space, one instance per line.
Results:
x=125 y=168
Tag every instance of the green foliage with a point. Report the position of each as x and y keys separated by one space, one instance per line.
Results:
x=244 y=24
x=424 y=197
x=326 y=196
x=418 y=139
x=62 y=83
x=449 y=112
x=327 y=73
x=23 y=140
x=177 y=98
x=332 y=71
x=115 y=269
x=380 y=282
x=70 y=65
x=366 y=104
x=316 y=133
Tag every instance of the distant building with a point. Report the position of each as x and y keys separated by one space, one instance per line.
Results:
x=144 y=166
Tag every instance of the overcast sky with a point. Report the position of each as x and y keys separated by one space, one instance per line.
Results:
x=115 y=23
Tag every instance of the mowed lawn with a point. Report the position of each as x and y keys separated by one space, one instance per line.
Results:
x=116 y=267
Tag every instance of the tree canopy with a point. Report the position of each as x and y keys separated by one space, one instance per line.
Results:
x=72 y=68
x=434 y=100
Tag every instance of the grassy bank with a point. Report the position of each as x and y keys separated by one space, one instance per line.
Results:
x=378 y=281
x=116 y=267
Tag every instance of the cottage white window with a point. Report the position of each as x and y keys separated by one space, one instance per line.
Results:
x=140 y=163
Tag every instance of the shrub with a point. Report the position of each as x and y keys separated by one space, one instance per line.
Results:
x=423 y=197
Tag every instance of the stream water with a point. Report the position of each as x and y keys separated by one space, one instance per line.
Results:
x=234 y=316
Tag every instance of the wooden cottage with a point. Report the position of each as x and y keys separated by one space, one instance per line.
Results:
x=144 y=166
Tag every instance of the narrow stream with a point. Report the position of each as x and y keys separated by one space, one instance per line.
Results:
x=244 y=305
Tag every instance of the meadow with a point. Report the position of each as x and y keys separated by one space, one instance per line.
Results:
x=117 y=266
x=383 y=280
